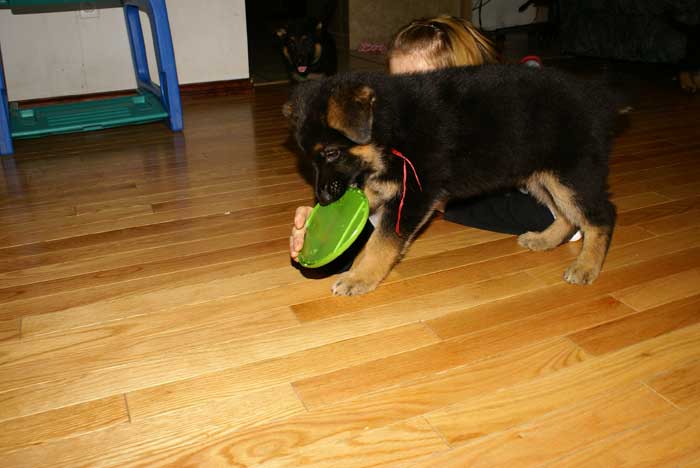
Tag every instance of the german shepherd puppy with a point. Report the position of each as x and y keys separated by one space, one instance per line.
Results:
x=308 y=49
x=464 y=131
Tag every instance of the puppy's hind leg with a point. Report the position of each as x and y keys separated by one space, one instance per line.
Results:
x=596 y=240
x=556 y=233
x=595 y=215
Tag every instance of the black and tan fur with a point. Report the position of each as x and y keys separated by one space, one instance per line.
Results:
x=467 y=131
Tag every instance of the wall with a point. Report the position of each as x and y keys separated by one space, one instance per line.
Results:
x=375 y=21
x=502 y=14
x=60 y=54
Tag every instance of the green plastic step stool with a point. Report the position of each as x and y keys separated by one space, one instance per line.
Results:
x=85 y=116
x=150 y=102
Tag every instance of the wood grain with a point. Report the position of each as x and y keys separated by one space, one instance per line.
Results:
x=515 y=405
x=635 y=328
x=9 y=329
x=402 y=368
x=557 y=433
x=660 y=291
x=669 y=440
x=681 y=385
x=62 y=423
x=376 y=410
x=239 y=380
x=395 y=444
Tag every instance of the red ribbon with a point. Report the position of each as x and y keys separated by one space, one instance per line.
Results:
x=403 y=192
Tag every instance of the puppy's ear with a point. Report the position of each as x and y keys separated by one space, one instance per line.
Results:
x=350 y=111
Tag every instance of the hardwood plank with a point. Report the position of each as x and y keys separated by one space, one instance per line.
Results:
x=83 y=261
x=662 y=180
x=218 y=319
x=9 y=329
x=144 y=237
x=62 y=423
x=535 y=325
x=653 y=171
x=244 y=303
x=168 y=290
x=691 y=461
x=515 y=405
x=681 y=385
x=391 y=445
x=398 y=370
x=636 y=328
x=21 y=234
x=462 y=321
x=163 y=192
x=639 y=200
x=646 y=156
x=681 y=191
x=27 y=214
x=667 y=440
x=164 y=185
x=267 y=442
x=674 y=222
x=557 y=433
x=199 y=350
x=618 y=256
x=151 y=401
x=655 y=212
x=660 y=291
x=110 y=276
x=150 y=441
x=231 y=198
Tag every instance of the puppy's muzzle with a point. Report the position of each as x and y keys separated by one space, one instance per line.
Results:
x=330 y=192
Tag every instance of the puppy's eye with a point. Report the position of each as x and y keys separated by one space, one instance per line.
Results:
x=331 y=154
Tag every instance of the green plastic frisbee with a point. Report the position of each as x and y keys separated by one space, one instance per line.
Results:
x=331 y=229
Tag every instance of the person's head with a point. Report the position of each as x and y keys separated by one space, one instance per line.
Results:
x=440 y=42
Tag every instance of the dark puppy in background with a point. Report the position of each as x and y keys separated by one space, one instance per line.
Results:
x=466 y=131
x=307 y=48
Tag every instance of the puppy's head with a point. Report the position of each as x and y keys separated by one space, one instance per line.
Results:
x=301 y=45
x=332 y=123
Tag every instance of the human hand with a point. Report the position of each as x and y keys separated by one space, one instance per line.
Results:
x=296 y=240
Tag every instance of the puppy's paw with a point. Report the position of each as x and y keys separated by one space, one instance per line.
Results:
x=350 y=285
x=580 y=274
x=535 y=241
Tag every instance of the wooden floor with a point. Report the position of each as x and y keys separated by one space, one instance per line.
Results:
x=149 y=314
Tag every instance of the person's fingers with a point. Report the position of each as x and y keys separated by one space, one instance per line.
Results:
x=300 y=216
x=294 y=254
x=296 y=240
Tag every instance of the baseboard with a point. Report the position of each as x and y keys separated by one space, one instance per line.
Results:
x=217 y=88
x=210 y=88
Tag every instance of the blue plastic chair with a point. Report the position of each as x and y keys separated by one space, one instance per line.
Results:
x=168 y=90
x=5 y=135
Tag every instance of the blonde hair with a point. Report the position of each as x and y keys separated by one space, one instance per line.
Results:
x=443 y=41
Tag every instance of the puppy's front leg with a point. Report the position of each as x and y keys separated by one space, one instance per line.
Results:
x=372 y=264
